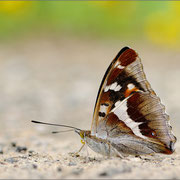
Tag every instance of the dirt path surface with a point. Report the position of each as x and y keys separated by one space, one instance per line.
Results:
x=57 y=81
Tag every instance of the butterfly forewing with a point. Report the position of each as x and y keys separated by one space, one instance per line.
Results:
x=124 y=76
x=126 y=104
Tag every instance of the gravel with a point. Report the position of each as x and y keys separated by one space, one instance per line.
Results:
x=57 y=81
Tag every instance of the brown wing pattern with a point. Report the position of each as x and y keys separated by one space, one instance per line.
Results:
x=124 y=76
x=145 y=117
x=126 y=104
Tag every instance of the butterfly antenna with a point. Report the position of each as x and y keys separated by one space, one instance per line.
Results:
x=55 y=132
x=51 y=124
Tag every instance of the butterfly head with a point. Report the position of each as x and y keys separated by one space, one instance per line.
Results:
x=82 y=134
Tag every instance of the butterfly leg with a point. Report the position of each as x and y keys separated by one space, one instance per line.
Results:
x=118 y=153
x=76 y=154
x=87 y=155
x=109 y=153
x=114 y=150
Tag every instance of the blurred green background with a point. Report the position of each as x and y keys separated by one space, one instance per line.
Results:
x=153 y=22
x=53 y=55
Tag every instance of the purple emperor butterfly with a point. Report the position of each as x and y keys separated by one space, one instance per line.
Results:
x=128 y=115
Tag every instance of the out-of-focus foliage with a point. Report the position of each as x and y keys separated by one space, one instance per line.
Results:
x=163 y=27
x=157 y=22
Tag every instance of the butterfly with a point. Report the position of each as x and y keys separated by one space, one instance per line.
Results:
x=128 y=118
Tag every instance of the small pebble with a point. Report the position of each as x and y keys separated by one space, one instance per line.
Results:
x=31 y=153
x=1 y=151
x=2 y=163
x=77 y=171
x=59 y=169
x=13 y=144
x=72 y=164
x=146 y=159
x=113 y=171
x=11 y=160
x=34 y=166
x=103 y=174
x=21 y=149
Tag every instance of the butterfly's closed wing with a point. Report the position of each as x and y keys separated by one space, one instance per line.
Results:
x=127 y=110
x=124 y=76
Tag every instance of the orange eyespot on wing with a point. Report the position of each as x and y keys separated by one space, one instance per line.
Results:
x=130 y=89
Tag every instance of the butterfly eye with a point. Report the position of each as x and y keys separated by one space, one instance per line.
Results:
x=82 y=134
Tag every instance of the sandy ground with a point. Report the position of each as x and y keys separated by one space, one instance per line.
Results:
x=57 y=81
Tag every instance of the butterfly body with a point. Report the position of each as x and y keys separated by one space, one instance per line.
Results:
x=98 y=145
x=128 y=115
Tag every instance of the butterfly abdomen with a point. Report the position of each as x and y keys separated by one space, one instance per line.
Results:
x=100 y=146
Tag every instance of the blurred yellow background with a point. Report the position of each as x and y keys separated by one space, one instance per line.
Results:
x=153 y=22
